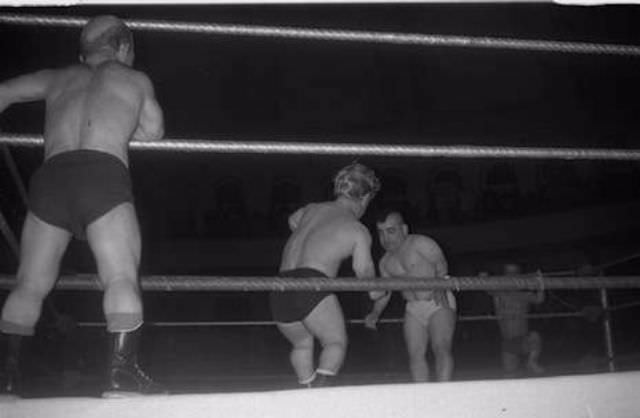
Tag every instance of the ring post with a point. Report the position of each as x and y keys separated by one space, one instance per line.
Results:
x=606 y=326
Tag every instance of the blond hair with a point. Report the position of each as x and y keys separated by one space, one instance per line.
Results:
x=355 y=181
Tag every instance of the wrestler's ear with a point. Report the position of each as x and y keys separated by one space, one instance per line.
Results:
x=125 y=53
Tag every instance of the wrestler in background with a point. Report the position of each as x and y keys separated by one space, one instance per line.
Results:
x=322 y=236
x=430 y=317
x=83 y=189
x=511 y=308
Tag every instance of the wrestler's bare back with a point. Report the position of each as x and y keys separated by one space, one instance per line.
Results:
x=324 y=236
x=96 y=108
x=407 y=261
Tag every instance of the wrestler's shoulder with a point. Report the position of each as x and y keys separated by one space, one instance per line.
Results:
x=354 y=230
x=121 y=70
x=70 y=71
x=418 y=239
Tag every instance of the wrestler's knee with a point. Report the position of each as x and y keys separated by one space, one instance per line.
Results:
x=338 y=341
x=28 y=295
x=335 y=343
x=335 y=336
x=32 y=290
x=442 y=347
x=417 y=351
x=22 y=310
x=533 y=342
x=303 y=344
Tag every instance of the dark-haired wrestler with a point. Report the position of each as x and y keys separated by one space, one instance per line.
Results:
x=430 y=317
x=518 y=341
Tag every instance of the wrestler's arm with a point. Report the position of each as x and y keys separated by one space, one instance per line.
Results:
x=362 y=261
x=26 y=88
x=537 y=297
x=151 y=120
x=431 y=252
x=381 y=300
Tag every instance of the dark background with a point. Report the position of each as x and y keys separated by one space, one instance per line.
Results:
x=226 y=214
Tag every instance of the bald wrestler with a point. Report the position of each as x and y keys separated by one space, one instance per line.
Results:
x=322 y=236
x=430 y=316
x=83 y=189
x=512 y=308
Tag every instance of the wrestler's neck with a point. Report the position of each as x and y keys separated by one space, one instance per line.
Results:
x=353 y=206
x=99 y=58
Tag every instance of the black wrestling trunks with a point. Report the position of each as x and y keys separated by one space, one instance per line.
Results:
x=295 y=306
x=73 y=189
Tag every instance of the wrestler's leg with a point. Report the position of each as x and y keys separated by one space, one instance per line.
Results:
x=302 y=350
x=417 y=338
x=41 y=249
x=533 y=348
x=511 y=349
x=114 y=239
x=326 y=322
x=442 y=326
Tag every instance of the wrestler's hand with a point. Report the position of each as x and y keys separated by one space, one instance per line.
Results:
x=370 y=321
x=377 y=294
x=440 y=298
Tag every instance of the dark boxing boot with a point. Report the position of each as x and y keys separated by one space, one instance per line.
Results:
x=10 y=376
x=124 y=376
x=323 y=379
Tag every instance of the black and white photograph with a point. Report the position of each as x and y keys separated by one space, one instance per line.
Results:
x=327 y=208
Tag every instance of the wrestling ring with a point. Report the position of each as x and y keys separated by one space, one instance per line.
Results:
x=594 y=395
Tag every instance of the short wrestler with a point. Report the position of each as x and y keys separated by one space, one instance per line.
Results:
x=322 y=236
x=430 y=316
x=511 y=309
x=83 y=189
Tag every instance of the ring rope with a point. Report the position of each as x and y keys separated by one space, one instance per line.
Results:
x=596 y=268
x=385 y=150
x=624 y=306
x=187 y=324
x=347 y=284
x=339 y=35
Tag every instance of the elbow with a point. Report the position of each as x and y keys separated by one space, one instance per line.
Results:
x=159 y=134
x=155 y=134
x=148 y=135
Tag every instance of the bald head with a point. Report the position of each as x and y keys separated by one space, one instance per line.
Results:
x=104 y=34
